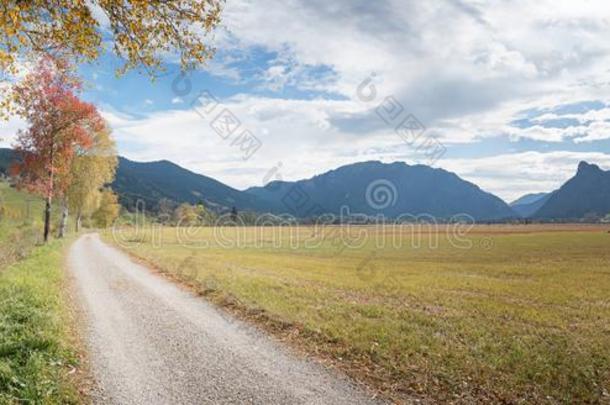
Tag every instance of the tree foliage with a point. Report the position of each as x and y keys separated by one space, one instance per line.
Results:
x=186 y=214
x=59 y=124
x=165 y=209
x=92 y=169
x=108 y=210
x=140 y=31
x=206 y=217
x=189 y=215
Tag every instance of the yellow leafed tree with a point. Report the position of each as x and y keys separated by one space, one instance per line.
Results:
x=92 y=169
x=108 y=210
x=140 y=30
x=186 y=215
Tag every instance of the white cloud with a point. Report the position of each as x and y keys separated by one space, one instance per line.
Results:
x=446 y=61
x=596 y=131
x=292 y=131
x=311 y=146
x=512 y=175
x=466 y=69
x=8 y=131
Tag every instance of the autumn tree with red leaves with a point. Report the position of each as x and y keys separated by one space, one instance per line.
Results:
x=59 y=125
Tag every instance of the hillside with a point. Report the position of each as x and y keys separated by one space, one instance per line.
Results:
x=152 y=181
x=6 y=158
x=529 y=204
x=394 y=189
x=585 y=195
x=528 y=199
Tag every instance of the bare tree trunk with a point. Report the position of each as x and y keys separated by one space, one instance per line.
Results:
x=47 y=218
x=77 y=222
x=47 y=208
x=64 y=219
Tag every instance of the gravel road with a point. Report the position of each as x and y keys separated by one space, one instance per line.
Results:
x=151 y=342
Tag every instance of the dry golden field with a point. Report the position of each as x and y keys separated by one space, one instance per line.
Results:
x=492 y=313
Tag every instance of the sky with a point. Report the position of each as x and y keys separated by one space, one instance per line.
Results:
x=510 y=95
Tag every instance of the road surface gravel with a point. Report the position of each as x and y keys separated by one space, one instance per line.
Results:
x=151 y=342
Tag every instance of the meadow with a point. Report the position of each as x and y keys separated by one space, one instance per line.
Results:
x=20 y=222
x=490 y=313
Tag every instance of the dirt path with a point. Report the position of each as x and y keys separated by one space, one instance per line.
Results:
x=153 y=343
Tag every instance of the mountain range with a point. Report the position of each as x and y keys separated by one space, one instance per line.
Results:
x=150 y=182
x=392 y=190
x=371 y=188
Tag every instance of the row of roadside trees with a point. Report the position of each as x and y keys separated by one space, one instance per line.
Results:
x=66 y=154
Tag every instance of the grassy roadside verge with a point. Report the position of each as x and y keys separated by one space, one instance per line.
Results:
x=38 y=346
x=35 y=356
